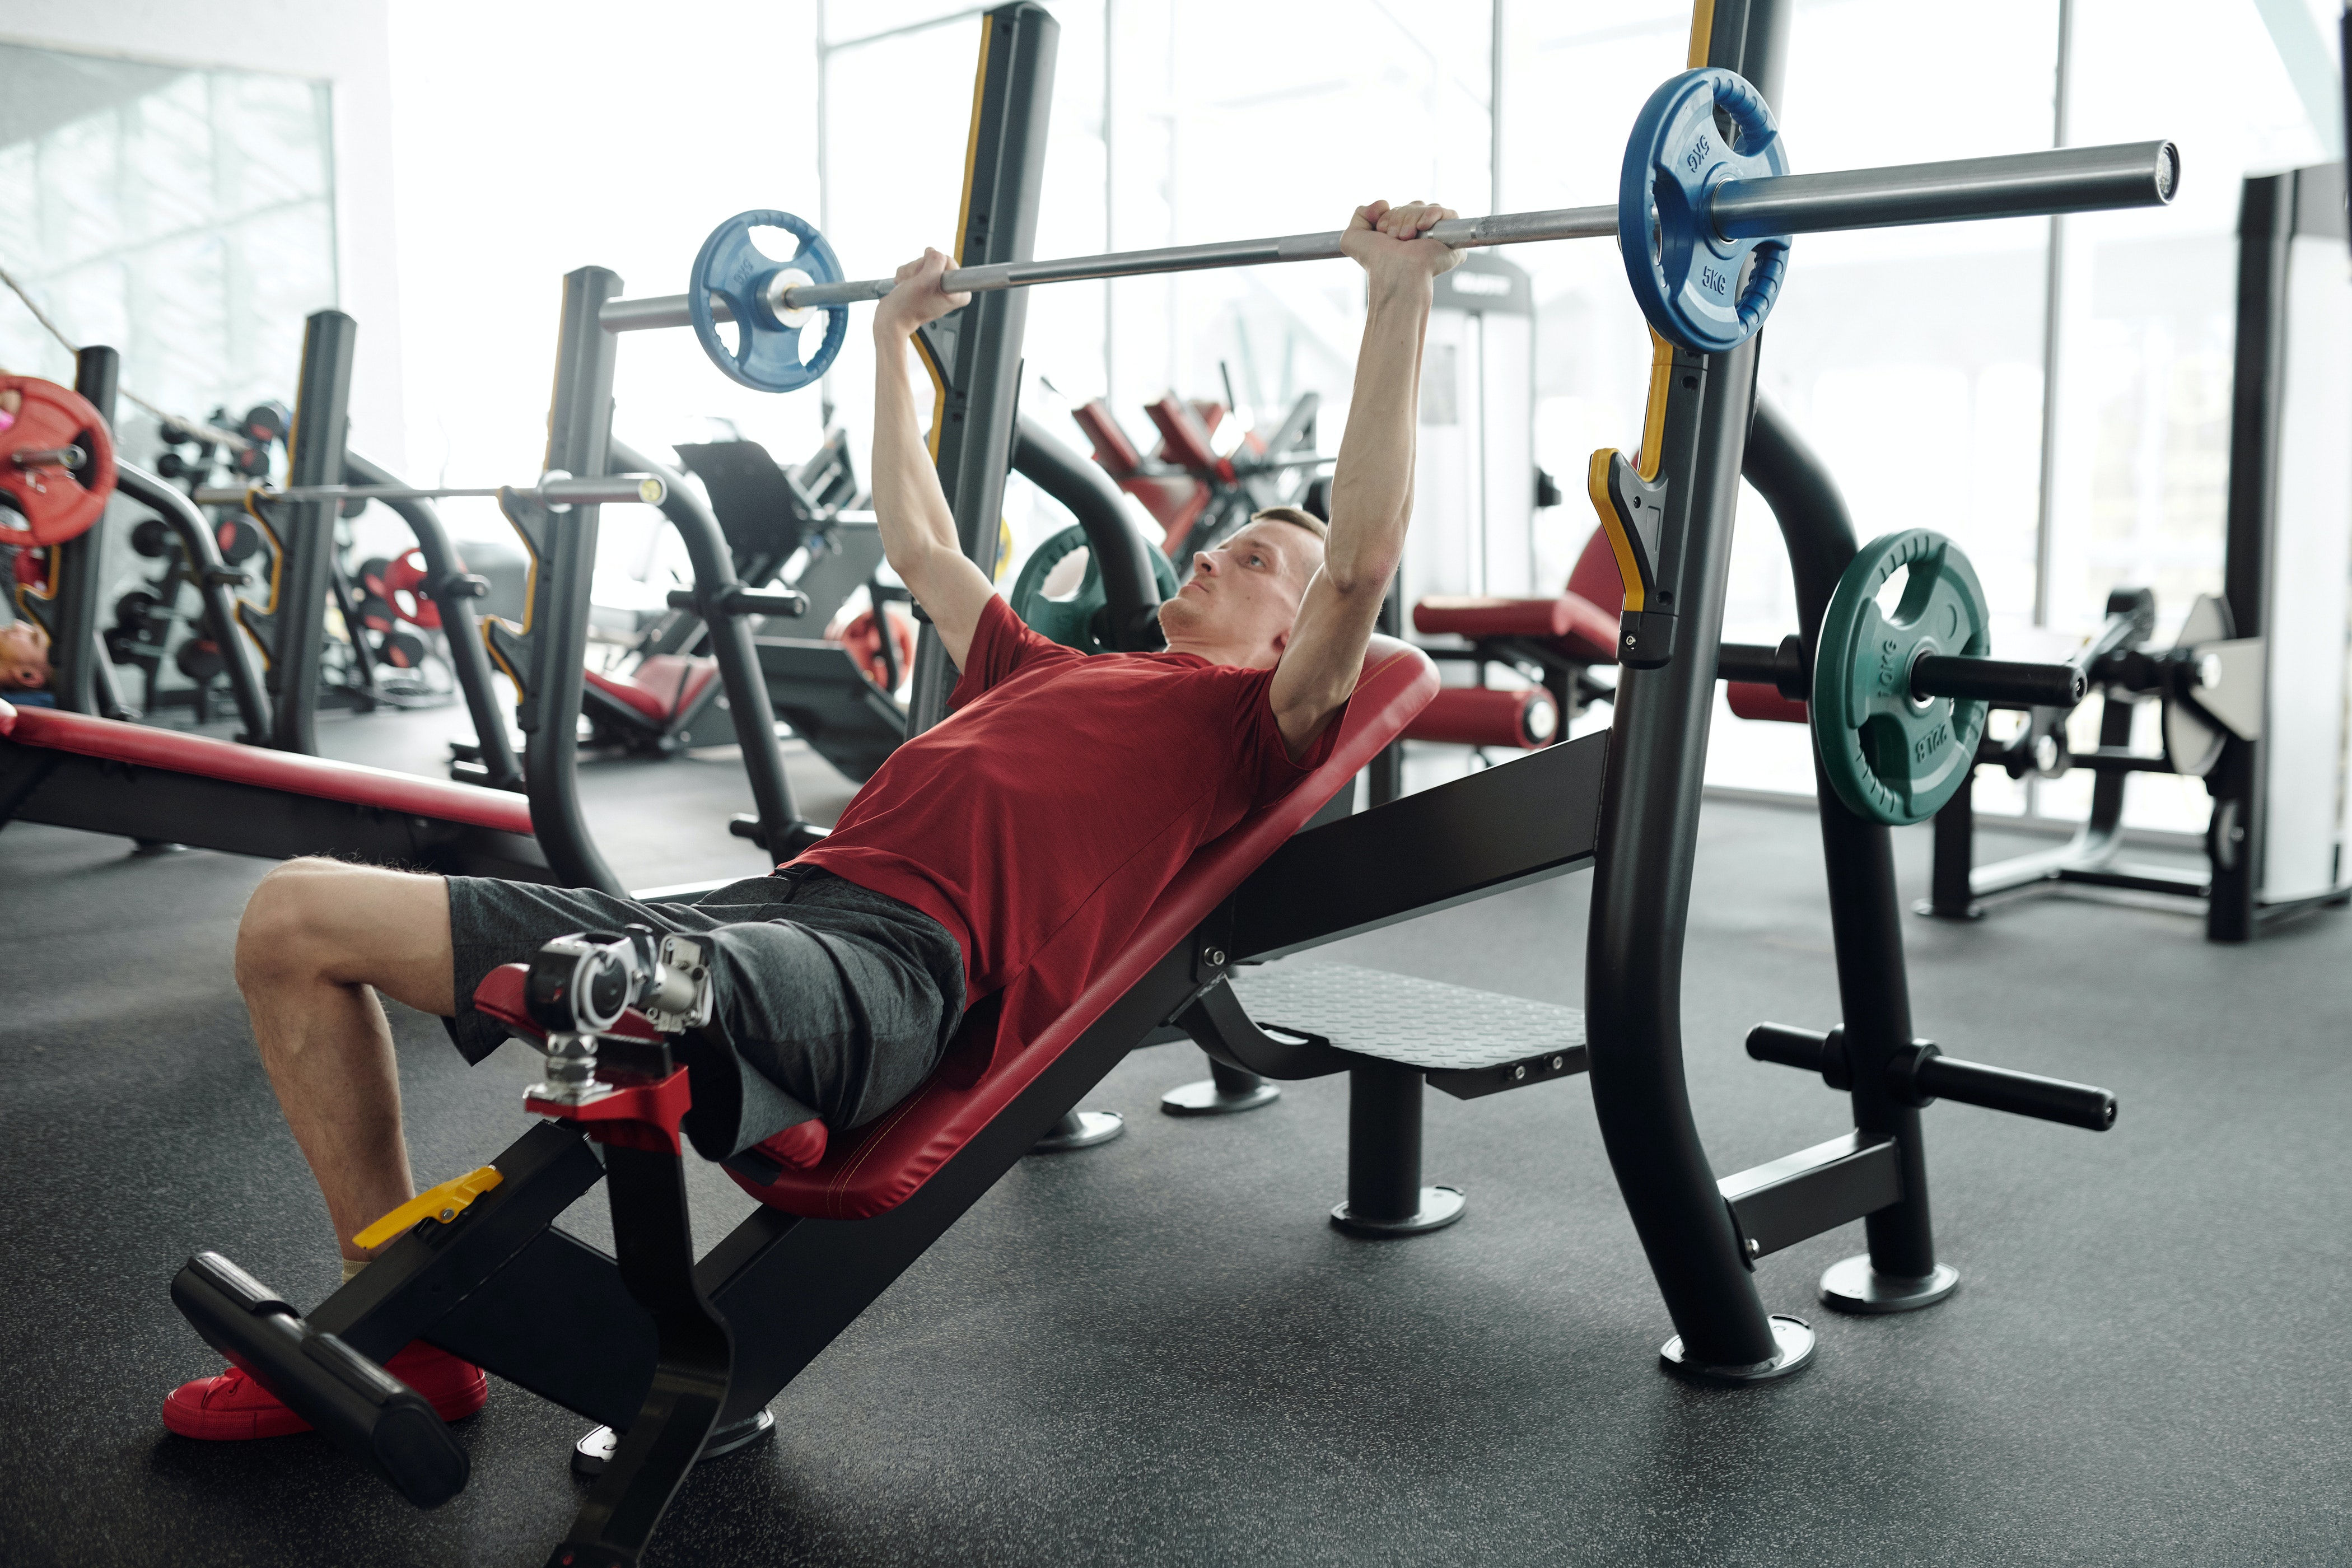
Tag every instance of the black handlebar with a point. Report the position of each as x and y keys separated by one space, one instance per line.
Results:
x=1924 y=1073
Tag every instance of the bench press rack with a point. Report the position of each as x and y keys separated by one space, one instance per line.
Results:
x=685 y=1354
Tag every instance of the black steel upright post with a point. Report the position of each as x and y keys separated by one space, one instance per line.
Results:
x=975 y=355
x=469 y=659
x=2265 y=244
x=322 y=407
x=1865 y=913
x=1649 y=831
x=83 y=682
x=579 y=442
x=782 y=832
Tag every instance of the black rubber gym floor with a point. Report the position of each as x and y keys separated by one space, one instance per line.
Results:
x=1158 y=1351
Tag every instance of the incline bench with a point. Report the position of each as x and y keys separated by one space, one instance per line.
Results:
x=683 y=1355
x=105 y=776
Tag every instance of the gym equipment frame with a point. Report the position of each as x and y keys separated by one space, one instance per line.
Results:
x=2253 y=692
x=686 y=1355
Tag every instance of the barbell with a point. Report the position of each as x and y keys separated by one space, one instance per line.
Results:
x=555 y=491
x=1694 y=206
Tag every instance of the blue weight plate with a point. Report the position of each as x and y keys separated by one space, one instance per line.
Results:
x=1685 y=276
x=767 y=353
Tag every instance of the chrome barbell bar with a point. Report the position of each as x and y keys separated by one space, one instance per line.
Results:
x=2023 y=184
x=552 y=491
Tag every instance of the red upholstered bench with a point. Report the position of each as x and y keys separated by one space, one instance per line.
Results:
x=663 y=686
x=167 y=751
x=862 y=1174
x=1576 y=628
x=879 y=1166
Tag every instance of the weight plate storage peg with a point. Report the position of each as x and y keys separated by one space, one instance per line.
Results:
x=1077 y=621
x=1894 y=757
x=45 y=493
x=767 y=353
x=1685 y=276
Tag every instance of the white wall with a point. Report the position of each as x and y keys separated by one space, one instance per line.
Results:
x=343 y=42
x=535 y=139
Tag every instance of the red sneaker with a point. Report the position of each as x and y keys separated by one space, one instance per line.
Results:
x=234 y=1406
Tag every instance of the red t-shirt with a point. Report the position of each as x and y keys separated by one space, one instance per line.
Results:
x=1062 y=788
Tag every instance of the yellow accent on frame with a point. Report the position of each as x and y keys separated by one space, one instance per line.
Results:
x=1702 y=33
x=963 y=217
x=443 y=1202
x=529 y=598
x=971 y=139
x=939 y=395
x=1629 y=572
x=268 y=605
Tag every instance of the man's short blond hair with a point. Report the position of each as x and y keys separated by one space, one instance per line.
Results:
x=1296 y=516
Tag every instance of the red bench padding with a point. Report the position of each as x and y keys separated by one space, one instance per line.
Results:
x=663 y=685
x=1184 y=437
x=141 y=746
x=1487 y=716
x=879 y=1166
x=1589 y=632
x=1113 y=449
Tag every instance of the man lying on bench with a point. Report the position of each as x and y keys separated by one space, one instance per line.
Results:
x=1064 y=788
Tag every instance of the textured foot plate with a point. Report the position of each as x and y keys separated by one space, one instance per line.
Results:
x=1468 y=1042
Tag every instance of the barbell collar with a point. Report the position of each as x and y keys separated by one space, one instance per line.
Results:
x=612 y=490
x=2001 y=682
x=2022 y=184
x=1782 y=667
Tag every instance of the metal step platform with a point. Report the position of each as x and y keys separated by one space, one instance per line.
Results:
x=1468 y=1043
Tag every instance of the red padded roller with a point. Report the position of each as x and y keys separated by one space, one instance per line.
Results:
x=1484 y=716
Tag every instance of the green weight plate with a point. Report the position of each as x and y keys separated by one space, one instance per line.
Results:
x=1071 y=621
x=1892 y=757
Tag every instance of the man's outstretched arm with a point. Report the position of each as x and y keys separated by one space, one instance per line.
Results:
x=1371 y=487
x=919 y=531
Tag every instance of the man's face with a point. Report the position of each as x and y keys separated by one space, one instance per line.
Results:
x=24 y=661
x=1244 y=595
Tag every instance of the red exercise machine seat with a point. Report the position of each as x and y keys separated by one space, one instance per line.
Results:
x=663 y=686
x=878 y=1167
x=1175 y=501
x=1583 y=618
x=139 y=745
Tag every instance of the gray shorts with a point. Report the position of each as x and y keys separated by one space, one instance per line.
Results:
x=839 y=1000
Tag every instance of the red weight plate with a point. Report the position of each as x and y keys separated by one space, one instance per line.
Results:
x=54 y=504
x=403 y=583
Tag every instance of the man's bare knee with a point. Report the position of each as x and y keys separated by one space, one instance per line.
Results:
x=282 y=937
x=314 y=919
